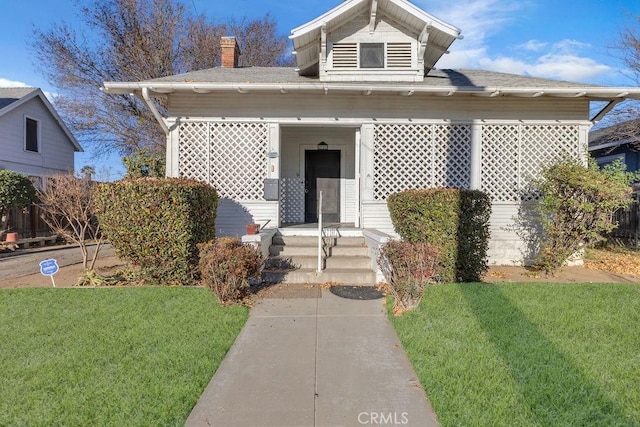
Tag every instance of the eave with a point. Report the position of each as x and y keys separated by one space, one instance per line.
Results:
x=164 y=88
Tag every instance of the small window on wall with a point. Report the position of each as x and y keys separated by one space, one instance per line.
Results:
x=371 y=55
x=31 y=135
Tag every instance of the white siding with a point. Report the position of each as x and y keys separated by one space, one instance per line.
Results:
x=233 y=216
x=341 y=108
x=56 y=152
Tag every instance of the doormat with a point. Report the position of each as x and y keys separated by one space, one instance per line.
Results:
x=290 y=290
x=356 y=292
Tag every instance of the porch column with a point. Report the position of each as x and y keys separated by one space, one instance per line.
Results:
x=366 y=162
x=475 y=180
x=273 y=164
x=172 y=165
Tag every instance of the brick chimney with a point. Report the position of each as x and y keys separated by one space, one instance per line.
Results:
x=230 y=52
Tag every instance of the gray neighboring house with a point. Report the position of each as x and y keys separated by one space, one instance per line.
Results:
x=34 y=140
x=366 y=114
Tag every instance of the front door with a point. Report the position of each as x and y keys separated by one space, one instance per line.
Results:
x=322 y=173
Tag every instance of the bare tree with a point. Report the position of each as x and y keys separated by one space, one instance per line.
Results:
x=67 y=208
x=134 y=40
x=624 y=120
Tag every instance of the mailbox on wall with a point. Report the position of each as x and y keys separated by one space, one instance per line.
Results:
x=272 y=189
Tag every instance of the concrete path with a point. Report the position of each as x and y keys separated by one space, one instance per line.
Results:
x=324 y=361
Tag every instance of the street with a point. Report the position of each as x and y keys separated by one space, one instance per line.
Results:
x=25 y=262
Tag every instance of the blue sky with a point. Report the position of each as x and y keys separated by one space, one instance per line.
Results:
x=560 y=39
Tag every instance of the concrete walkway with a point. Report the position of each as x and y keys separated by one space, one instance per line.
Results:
x=324 y=361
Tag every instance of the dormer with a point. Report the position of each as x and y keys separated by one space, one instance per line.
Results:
x=372 y=40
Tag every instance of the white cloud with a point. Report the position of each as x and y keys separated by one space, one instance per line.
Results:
x=11 y=83
x=533 y=45
x=557 y=66
x=482 y=20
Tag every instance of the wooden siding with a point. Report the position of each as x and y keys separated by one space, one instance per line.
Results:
x=340 y=108
x=233 y=216
x=56 y=152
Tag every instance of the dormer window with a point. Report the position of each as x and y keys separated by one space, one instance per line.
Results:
x=390 y=55
x=372 y=55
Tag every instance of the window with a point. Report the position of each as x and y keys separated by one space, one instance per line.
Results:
x=31 y=135
x=371 y=55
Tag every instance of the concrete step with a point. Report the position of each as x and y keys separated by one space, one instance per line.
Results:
x=361 y=277
x=296 y=251
x=295 y=262
x=313 y=241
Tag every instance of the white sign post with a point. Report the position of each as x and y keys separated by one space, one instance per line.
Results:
x=49 y=267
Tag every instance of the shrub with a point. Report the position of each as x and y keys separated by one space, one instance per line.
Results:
x=16 y=191
x=408 y=267
x=226 y=266
x=576 y=207
x=454 y=220
x=156 y=224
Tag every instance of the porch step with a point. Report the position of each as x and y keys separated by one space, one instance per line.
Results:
x=311 y=261
x=294 y=259
x=296 y=251
x=352 y=276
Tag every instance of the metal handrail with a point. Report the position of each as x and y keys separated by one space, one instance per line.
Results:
x=320 y=240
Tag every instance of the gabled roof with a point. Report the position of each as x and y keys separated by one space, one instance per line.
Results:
x=13 y=97
x=437 y=34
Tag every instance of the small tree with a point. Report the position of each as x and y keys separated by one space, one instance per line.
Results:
x=16 y=191
x=145 y=164
x=576 y=207
x=68 y=209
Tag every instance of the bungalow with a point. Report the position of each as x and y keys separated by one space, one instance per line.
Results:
x=366 y=114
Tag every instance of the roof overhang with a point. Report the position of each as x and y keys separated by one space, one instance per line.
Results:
x=435 y=33
x=164 y=88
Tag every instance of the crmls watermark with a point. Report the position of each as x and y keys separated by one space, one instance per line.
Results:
x=383 y=418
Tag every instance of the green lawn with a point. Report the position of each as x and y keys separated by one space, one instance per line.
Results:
x=528 y=354
x=119 y=356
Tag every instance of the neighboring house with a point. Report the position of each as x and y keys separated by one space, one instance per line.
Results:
x=618 y=142
x=34 y=141
x=365 y=114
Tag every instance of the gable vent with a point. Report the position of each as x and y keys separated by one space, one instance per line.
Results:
x=345 y=55
x=398 y=55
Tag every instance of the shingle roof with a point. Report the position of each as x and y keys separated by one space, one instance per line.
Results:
x=9 y=95
x=435 y=78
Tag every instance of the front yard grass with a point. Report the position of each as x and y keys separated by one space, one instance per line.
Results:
x=119 y=356
x=528 y=354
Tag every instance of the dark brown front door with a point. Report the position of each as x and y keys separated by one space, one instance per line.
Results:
x=322 y=173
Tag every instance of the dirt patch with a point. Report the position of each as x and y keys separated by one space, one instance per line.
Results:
x=576 y=274
x=66 y=276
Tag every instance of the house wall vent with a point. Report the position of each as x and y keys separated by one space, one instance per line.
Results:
x=398 y=55
x=345 y=55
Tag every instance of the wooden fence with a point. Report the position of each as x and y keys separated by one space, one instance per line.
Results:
x=27 y=222
x=628 y=231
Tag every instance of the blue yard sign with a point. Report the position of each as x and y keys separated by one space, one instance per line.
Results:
x=49 y=267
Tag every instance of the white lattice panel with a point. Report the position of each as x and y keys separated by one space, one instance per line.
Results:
x=500 y=147
x=420 y=156
x=512 y=155
x=193 y=151
x=292 y=197
x=230 y=156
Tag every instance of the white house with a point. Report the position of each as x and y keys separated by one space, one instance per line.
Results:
x=366 y=114
x=34 y=140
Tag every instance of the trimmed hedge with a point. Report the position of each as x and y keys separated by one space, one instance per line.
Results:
x=454 y=220
x=156 y=224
